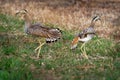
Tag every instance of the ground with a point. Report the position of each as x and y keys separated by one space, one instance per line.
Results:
x=57 y=62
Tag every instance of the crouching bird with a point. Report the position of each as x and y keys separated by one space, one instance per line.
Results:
x=37 y=29
x=85 y=35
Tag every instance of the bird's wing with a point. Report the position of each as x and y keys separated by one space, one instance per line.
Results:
x=89 y=30
x=38 y=30
x=43 y=31
x=86 y=31
x=55 y=33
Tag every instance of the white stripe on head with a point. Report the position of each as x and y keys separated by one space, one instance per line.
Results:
x=96 y=18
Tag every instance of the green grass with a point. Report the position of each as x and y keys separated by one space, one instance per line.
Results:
x=58 y=62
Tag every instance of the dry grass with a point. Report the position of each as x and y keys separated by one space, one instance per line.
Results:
x=69 y=15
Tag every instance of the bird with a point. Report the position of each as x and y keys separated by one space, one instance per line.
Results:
x=40 y=31
x=85 y=35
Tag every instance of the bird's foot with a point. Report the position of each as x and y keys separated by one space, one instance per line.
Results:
x=85 y=55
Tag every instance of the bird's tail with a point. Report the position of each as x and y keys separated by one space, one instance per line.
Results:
x=50 y=40
x=74 y=42
x=55 y=35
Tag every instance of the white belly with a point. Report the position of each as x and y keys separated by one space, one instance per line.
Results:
x=89 y=37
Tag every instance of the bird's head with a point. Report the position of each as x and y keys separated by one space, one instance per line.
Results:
x=96 y=18
x=23 y=11
x=23 y=14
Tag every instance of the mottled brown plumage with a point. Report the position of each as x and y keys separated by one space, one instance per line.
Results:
x=51 y=34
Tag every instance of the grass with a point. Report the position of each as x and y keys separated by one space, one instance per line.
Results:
x=58 y=62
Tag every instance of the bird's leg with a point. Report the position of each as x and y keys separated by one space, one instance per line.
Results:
x=39 y=48
x=83 y=46
x=98 y=42
x=84 y=50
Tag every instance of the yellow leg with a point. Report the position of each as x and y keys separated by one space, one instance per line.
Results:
x=82 y=47
x=39 y=48
x=99 y=42
x=84 y=50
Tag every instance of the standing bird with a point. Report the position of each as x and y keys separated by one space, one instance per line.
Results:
x=37 y=29
x=86 y=34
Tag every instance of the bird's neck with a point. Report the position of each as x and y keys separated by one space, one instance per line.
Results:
x=27 y=21
x=92 y=24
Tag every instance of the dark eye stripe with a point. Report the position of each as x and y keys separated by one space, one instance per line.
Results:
x=94 y=17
